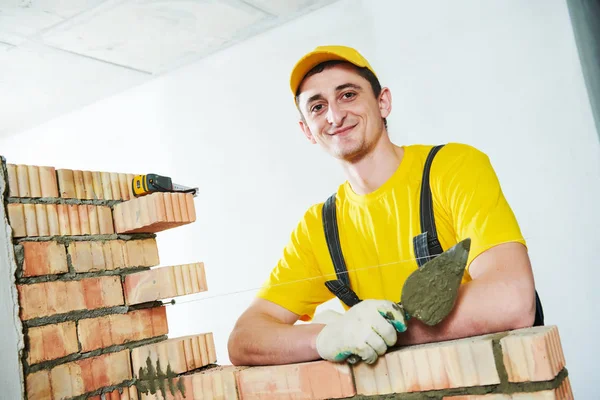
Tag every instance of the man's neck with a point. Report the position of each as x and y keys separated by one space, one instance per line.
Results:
x=373 y=170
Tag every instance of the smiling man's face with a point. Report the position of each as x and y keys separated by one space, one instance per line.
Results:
x=341 y=112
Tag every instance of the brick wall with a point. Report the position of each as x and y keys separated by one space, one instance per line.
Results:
x=90 y=286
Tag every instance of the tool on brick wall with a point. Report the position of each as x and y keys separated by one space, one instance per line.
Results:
x=430 y=292
x=151 y=183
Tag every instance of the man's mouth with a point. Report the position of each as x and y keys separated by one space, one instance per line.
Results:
x=341 y=131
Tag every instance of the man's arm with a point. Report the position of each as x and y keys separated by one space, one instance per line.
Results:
x=500 y=297
x=265 y=334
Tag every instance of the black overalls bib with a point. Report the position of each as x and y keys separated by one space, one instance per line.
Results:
x=426 y=245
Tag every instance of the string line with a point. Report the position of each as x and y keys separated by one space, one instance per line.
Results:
x=173 y=301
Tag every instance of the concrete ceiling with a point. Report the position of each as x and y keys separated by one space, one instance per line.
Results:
x=58 y=55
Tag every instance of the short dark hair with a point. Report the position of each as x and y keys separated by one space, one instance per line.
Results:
x=362 y=71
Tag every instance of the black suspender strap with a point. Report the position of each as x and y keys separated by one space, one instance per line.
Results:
x=340 y=287
x=426 y=244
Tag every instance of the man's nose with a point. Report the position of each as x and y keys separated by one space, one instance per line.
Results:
x=335 y=115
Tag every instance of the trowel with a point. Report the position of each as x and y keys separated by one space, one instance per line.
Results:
x=430 y=292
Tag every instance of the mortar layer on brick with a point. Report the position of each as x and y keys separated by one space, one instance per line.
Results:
x=177 y=355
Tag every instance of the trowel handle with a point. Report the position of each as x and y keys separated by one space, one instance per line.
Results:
x=353 y=358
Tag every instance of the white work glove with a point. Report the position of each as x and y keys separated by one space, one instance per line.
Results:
x=362 y=330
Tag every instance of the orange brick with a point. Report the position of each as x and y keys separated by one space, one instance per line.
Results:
x=105 y=220
x=124 y=187
x=23 y=180
x=79 y=184
x=53 y=223
x=66 y=183
x=88 y=256
x=97 y=333
x=443 y=365
x=80 y=377
x=41 y=218
x=533 y=354
x=37 y=385
x=218 y=383
x=154 y=213
x=57 y=297
x=48 y=182
x=13 y=180
x=30 y=220
x=50 y=342
x=181 y=354
x=34 y=181
x=16 y=219
x=60 y=219
x=164 y=282
x=88 y=185
x=310 y=380
x=44 y=258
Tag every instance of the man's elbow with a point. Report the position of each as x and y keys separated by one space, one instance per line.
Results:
x=521 y=312
x=234 y=348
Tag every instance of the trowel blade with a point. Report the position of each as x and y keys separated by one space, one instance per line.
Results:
x=430 y=292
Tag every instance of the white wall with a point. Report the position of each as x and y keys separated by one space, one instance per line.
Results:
x=504 y=77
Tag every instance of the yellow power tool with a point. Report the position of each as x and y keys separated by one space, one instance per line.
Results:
x=151 y=183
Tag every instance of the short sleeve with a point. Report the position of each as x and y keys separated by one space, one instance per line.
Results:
x=474 y=198
x=296 y=282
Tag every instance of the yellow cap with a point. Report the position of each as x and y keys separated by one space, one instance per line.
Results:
x=321 y=54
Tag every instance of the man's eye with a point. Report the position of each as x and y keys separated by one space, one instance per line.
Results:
x=316 y=108
x=348 y=95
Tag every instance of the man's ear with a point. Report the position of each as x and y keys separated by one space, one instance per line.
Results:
x=307 y=132
x=385 y=102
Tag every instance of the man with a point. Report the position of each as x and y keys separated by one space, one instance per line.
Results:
x=343 y=108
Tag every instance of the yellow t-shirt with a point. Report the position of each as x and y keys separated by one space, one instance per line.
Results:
x=376 y=230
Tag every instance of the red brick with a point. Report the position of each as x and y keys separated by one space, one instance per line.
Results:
x=181 y=354
x=164 y=282
x=533 y=354
x=66 y=183
x=57 y=297
x=310 y=380
x=79 y=184
x=154 y=213
x=96 y=333
x=50 y=342
x=443 y=365
x=79 y=377
x=44 y=258
x=218 y=383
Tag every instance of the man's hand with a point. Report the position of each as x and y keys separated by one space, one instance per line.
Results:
x=367 y=330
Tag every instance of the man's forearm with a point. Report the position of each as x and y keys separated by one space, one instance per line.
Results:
x=266 y=341
x=483 y=306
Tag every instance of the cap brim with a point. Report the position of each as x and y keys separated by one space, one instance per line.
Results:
x=311 y=60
